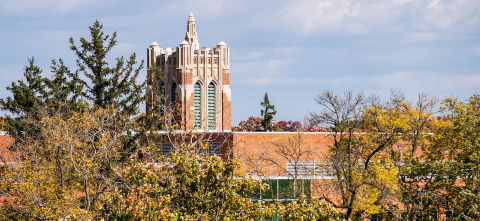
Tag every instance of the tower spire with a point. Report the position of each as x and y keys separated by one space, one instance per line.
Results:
x=191 y=35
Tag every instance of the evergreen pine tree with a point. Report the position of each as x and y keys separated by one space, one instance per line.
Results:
x=26 y=94
x=268 y=113
x=109 y=86
x=38 y=92
x=103 y=86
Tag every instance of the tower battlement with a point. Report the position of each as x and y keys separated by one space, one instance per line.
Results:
x=196 y=80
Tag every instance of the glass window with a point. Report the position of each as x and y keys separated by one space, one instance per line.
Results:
x=197 y=104
x=174 y=89
x=211 y=106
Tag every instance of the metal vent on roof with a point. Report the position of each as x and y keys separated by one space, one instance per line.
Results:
x=308 y=169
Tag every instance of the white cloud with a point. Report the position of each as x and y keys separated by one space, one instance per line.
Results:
x=270 y=81
x=248 y=56
x=250 y=70
x=330 y=16
x=362 y=16
x=433 y=3
x=401 y=2
x=411 y=83
x=205 y=9
x=396 y=29
x=395 y=78
x=346 y=82
x=35 y=7
x=422 y=36
x=449 y=14
x=262 y=65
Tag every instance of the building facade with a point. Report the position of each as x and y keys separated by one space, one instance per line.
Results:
x=196 y=80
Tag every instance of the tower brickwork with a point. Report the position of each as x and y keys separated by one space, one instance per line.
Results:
x=197 y=79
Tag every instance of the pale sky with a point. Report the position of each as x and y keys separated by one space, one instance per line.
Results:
x=291 y=49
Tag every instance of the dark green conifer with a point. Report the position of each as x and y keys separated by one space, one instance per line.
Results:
x=108 y=86
x=268 y=113
x=102 y=85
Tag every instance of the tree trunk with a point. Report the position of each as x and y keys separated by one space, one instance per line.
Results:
x=87 y=195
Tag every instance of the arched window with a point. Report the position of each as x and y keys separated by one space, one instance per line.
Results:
x=174 y=89
x=211 y=106
x=197 y=104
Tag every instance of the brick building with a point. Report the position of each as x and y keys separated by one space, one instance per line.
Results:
x=197 y=80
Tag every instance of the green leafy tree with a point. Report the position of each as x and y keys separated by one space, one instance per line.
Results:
x=312 y=209
x=450 y=168
x=267 y=113
x=73 y=169
x=364 y=174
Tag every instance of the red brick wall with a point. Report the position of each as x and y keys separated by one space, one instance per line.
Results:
x=226 y=78
x=179 y=77
x=184 y=79
x=250 y=147
x=189 y=77
x=189 y=121
x=226 y=113
x=186 y=105
x=226 y=104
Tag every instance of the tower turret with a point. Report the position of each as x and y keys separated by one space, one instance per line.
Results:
x=191 y=35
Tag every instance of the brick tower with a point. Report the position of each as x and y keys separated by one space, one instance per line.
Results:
x=196 y=80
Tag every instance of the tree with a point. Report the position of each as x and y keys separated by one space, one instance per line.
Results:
x=294 y=151
x=290 y=126
x=105 y=86
x=66 y=164
x=108 y=86
x=267 y=113
x=252 y=124
x=362 y=173
x=185 y=186
x=384 y=145
x=102 y=86
x=37 y=91
x=408 y=126
x=312 y=209
x=73 y=169
x=450 y=164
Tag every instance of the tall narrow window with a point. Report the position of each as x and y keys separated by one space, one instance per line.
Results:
x=174 y=89
x=197 y=104
x=211 y=106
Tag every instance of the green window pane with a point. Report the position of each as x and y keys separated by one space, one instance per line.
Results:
x=197 y=104
x=211 y=106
